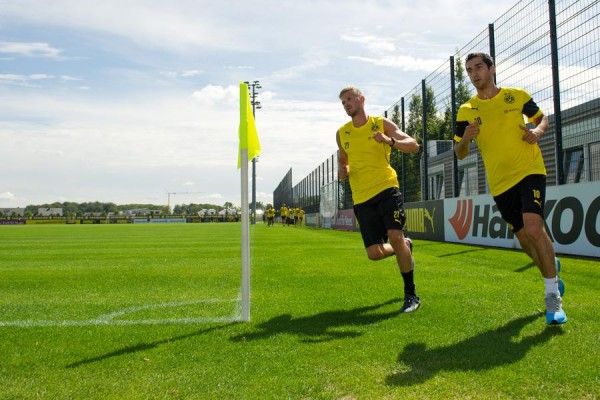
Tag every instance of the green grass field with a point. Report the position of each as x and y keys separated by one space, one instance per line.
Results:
x=152 y=311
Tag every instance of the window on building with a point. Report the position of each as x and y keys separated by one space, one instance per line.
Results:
x=436 y=184
x=467 y=179
x=574 y=165
x=594 y=161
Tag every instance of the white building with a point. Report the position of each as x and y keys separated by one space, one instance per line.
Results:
x=50 y=212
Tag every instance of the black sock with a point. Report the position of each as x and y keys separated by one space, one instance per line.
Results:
x=409 y=283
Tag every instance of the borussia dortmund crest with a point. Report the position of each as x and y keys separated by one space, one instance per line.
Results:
x=509 y=98
x=374 y=127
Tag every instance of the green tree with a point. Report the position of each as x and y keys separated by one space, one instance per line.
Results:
x=414 y=127
x=396 y=155
x=463 y=91
x=445 y=128
x=433 y=120
x=462 y=94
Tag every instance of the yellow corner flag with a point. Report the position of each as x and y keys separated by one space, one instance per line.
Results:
x=247 y=130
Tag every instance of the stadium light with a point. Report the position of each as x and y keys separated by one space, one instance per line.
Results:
x=255 y=104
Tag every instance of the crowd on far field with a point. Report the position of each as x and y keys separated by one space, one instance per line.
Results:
x=287 y=215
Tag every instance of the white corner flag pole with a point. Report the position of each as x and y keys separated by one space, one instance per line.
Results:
x=245 y=238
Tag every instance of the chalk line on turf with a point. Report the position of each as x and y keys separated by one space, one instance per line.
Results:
x=110 y=319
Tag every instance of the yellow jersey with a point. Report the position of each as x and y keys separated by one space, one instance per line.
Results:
x=507 y=158
x=370 y=172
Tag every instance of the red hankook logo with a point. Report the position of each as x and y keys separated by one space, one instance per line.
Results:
x=461 y=221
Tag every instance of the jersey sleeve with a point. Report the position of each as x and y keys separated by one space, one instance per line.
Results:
x=461 y=124
x=460 y=130
x=531 y=110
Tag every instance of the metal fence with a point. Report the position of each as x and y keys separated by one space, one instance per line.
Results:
x=549 y=48
x=283 y=193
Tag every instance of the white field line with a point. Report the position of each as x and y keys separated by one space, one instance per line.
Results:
x=109 y=319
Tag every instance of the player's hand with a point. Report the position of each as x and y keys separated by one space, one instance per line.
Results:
x=530 y=136
x=471 y=131
x=343 y=171
x=380 y=137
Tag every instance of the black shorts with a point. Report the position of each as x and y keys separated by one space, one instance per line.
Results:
x=527 y=196
x=379 y=214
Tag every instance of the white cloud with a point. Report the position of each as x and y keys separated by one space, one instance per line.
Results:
x=214 y=94
x=12 y=78
x=181 y=74
x=39 y=77
x=6 y=196
x=405 y=63
x=33 y=80
x=29 y=49
x=190 y=73
x=312 y=60
x=67 y=78
x=152 y=24
x=372 y=43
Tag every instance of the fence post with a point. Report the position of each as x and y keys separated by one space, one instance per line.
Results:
x=424 y=174
x=492 y=40
x=556 y=94
x=455 y=188
x=403 y=156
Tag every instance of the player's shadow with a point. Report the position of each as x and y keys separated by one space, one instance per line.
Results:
x=459 y=253
x=485 y=351
x=526 y=267
x=128 y=349
x=322 y=327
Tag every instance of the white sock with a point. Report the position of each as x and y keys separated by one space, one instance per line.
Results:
x=551 y=285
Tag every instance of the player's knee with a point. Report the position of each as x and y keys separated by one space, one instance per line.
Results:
x=533 y=231
x=375 y=253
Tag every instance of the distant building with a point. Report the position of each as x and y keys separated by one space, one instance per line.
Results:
x=228 y=211
x=50 y=212
x=19 y=212
x=141 y=212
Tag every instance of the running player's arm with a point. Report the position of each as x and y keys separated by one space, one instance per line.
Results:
x=461 y=145
x=534 y=115
x=398 y=139
x=342 y=159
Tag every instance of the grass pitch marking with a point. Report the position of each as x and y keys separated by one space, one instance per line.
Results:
x=111 y=318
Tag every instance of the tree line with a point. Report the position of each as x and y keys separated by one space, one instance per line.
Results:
x=97 y=208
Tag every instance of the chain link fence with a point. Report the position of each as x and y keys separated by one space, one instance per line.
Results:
x=549 y=48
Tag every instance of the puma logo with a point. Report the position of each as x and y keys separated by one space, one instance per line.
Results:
x=429 y=217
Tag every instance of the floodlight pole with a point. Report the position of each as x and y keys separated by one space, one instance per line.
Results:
x=255 y=104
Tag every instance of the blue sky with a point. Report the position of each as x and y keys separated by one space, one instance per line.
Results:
x=125 y=101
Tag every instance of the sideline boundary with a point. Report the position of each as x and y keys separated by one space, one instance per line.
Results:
x=111 y=318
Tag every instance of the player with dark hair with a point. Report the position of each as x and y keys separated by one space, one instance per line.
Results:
x=515 y=168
